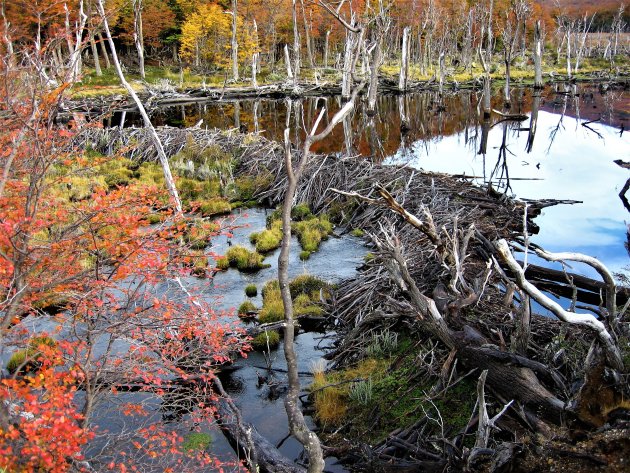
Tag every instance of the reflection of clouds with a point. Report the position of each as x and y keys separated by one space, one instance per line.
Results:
x=578 y=165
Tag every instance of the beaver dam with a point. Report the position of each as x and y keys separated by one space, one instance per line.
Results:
x=440 y=361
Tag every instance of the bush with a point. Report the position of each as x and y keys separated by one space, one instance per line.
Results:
x=269 y=338
x=246 y=307
x=251 y=290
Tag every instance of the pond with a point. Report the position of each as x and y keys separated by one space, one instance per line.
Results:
x=564 y=149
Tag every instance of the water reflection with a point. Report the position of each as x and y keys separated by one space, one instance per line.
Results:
x=564 y=149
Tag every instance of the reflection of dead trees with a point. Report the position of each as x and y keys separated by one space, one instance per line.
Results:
x=533 y=122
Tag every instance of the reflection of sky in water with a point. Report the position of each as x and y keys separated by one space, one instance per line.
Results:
x=577 y=165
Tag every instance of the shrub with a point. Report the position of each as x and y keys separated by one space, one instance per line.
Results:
x=251 y=290
x=268 y=338
x=246 y=307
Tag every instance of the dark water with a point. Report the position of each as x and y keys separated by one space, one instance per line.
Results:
x=578 y=133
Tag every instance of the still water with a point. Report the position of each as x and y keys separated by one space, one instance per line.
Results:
x=564 y=149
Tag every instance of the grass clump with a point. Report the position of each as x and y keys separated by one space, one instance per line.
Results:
x=242 y=259
x=305 y=293
x=311 y=232
x=29 y=359
x=267 y=339
x=197 y=261
x=269 y=239
x=246 y=307
x=196 y=441
x=357 y=232
x=199 y=232
x=214 y=206
x=251 y=290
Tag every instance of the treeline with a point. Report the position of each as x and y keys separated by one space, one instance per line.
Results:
x=219 y=36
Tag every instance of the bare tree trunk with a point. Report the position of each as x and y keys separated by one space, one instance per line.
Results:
x=374 y=65
x=101 y=42
x=287 y=61
x=569 y=52
x=404 y=60
x=254 y=69
x=97 y=63
x=170 y=183
x=348 y=61
x=297 y=424
x=326 y=45
x=138 y=37
x=538 y=53
x=296 y=46
x=234 y=41
x=307 y=36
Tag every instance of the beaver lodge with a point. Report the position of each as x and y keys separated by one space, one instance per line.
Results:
x=441 y=361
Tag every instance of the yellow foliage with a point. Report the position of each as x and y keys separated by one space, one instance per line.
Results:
x=206 y=38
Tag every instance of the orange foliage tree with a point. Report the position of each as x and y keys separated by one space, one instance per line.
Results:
x=95 y=313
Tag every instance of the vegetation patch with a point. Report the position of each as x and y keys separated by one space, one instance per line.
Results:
x=197 y=441
x=267 y=340
x=306 y=292
x=269 y=239
x=199 y=233
x=246 y=308
x=242 y=259
x=251 y=290
x=29 y=360
x=197 y=261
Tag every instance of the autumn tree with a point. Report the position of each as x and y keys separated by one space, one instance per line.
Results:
x=206 y=38
x=80 y=263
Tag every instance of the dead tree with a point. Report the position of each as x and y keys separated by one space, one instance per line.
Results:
x=234 y=42
x=138 y=36
x=404 y=60
x=170 y=183
x=538 y=55
x=297 y=425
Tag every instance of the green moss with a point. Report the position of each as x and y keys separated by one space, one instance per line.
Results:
x=304 y=255
x=196 y=441
x=154 y=218
x=251 y=290
x=247 y=187
x=222 y=263
x=119 y=177
x=268 y=338
x=246 y=307
x=357 y=232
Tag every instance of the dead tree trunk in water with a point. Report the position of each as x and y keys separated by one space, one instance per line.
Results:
x=297 y=425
